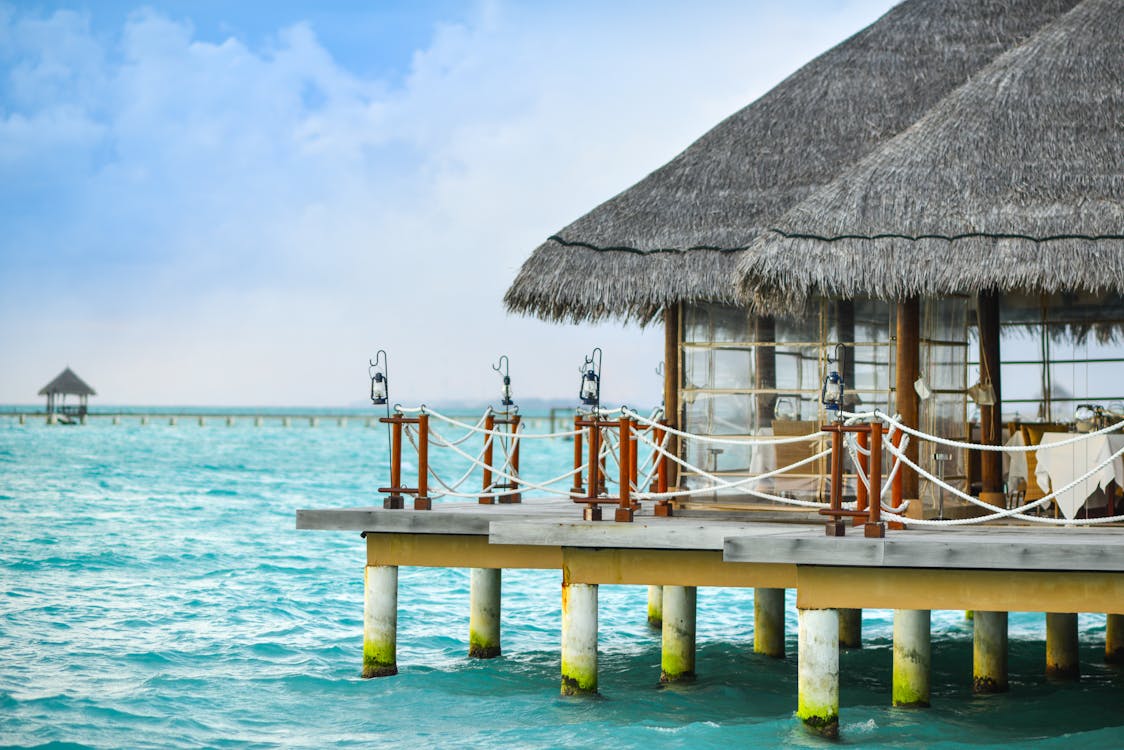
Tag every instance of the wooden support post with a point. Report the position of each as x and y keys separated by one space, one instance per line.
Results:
x=677 y=660
x=489 y=445
x=1062 y=661
x=991 y=417
x=850 y=628
x=1114 y=639
x=908 y=365
x=655 y=606
x=912 y=658
x=671 y=382
x=380 y=620
x=818 y=671
x=484 y=613
x=989 y=652
x=768 y=622
x=579 y=638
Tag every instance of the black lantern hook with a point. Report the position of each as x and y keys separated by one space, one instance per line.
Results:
x=379 y=381
x=502 y=368
x=590 y=393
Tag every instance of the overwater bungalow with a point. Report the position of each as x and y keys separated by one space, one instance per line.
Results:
x=672 y=245
x=873 y=224
x=67 y=383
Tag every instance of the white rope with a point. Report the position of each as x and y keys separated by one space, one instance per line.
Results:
x=501 y=433
x=411 y=435
x=1000 y=448
x=524 y=484
x=741 y=484
x=747 y=440
x=1019 y=512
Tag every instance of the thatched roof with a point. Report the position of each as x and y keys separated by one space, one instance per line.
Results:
x=1013 y=182
x=68 y=383
x=676 y=235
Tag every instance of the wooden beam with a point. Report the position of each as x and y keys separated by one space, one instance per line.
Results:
x=936 y=588
x=457 y=551
x=669 y=567
x=907 y=367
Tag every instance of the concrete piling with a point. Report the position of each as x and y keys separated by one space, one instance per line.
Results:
x=655 y=606
x=989 y=652
x=768 y=622
x=286 y=421
x=22 y=419
x=380 y=621
x=230 y=421
x=579 y=638
x=116 y=421
x=850 y=628
x=1062 y=661
x=144 y=420
x=677 y=662
x=313 y=422
x=202 y=421
x=1114 y=639
x=484 y=613
x=342 y=422
x=818 y=670
x=912 y=658
x=171 y=421
x=258 y=421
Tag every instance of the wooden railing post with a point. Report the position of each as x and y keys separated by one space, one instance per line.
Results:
x=489 y=442
x=577 y=489
x=863 y=439
x=422 y=500
x=835 y=527
x=394 y=500
x=874 y=527
x=514 y=497
x=624 y=512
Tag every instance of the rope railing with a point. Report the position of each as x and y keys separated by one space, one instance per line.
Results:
x=614 y=473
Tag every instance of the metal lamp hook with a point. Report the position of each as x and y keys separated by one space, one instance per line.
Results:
x=502 y=367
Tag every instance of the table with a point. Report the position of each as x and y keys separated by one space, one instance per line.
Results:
x=1063 y=464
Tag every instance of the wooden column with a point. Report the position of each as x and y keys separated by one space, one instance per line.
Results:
x=908 y=365
x=991 y=417
x=765 y=370
x=671 y=384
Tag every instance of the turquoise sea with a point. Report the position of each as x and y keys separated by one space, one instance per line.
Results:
x=154 y=593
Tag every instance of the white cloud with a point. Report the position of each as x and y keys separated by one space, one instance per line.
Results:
x=236 y=224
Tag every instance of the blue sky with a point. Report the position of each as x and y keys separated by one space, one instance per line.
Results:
x=231 y=203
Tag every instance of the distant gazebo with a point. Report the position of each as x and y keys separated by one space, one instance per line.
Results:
x=66 y=383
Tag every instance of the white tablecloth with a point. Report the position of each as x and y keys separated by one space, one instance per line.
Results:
x=1015 y=463
x=1065 y=463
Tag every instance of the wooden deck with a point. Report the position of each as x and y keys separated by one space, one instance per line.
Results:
x=989 y=568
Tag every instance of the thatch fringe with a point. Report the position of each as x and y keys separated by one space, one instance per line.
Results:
x=1013 y=182
x=574 y=284
x=674 y=236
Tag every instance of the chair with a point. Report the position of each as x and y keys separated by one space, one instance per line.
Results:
x=1032 y=433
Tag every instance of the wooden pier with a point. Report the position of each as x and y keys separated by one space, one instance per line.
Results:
x=992 y=571
x=533 y=422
